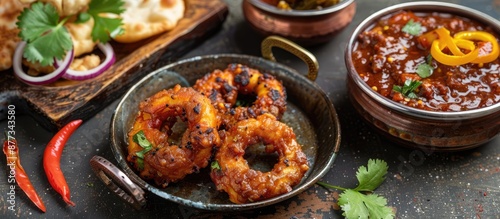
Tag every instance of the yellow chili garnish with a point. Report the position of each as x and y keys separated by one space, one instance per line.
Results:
x=486 y=51
x=491 y=53
x=447 y=40
x=440 y=56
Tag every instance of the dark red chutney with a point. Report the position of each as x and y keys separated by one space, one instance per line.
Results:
x=385 y=56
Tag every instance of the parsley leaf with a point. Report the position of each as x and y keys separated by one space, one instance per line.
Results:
x=44 y=34
x=104 y=26
x=408 y=89
x=412 y=28
x=354 y=203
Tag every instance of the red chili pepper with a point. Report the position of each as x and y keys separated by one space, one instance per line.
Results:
x=11 y=150
x=52 y=160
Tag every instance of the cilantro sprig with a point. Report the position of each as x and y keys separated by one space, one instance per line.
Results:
x=361 y=202
x=42 y=29
x=408 y=89
x=412 y=28
x=141 y=140
x=47 y=39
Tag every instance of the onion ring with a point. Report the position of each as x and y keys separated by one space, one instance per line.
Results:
x=167 y=162
x=39 y=80
x=107 y=49
x=244 y=184
x=223 y=88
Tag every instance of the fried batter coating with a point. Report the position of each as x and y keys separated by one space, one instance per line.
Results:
x=244 y=184
x=166 y=162
x=223 y=88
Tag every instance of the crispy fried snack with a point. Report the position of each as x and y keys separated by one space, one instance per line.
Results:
x=223 y=87
x=244 y=184
x=167 y=162
x=9 y=10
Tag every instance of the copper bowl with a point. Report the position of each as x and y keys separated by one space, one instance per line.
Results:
x=305 y=27
x=436 y=131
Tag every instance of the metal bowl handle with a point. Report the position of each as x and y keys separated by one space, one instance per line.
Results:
x=118 y=182
x=280 y=42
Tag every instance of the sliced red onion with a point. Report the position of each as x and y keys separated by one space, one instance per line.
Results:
x=105 y=65
x=38 y=80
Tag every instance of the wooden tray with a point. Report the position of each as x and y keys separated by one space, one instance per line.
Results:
x=56 y=104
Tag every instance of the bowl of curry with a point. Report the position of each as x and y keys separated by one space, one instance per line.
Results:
x=426 y=74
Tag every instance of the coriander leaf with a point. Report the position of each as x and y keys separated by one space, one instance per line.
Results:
x=397 y=88
x=356 y=205
x=36 y=21
x=377 y=206
x=83 y=17
x=45 y=36
x=215 y=165
x=412 y=28
x=48 y=46
x=351 y=202
x=105 y=26
x=424 y=70
x=372 y=176
x=408 y=88
x=140 y=163
x=140 y=138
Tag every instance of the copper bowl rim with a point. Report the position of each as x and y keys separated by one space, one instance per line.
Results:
x=300 y=13
x=420 y=6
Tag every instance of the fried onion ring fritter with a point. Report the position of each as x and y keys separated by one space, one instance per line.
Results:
x=167 y=163
x=223 y=87
x=244 y=184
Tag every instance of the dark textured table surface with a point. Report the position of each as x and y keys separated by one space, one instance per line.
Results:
x=420 y=184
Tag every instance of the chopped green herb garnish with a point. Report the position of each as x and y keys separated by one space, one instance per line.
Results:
x=357 y=204
x=215 y=165
x=412 y=28
x=141 y=140
x=425 y=70
x=408 y=89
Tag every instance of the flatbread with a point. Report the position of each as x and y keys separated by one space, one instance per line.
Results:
x=64 y=7
x=9 y=10
x=146 y=18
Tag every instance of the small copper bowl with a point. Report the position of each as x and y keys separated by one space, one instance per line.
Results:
x=305 y=27
x=430 y=130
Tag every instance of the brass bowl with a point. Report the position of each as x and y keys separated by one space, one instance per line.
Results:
x=430 y=130
x=310 y=113
x=306 y=27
